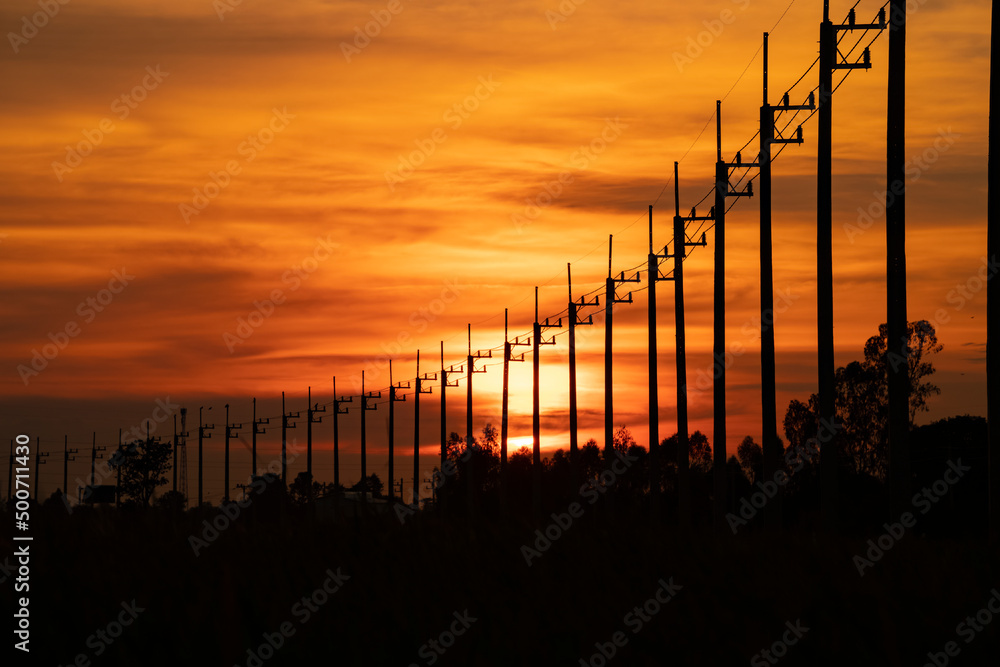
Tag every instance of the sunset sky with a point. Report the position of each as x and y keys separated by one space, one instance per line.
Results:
x=381 y=190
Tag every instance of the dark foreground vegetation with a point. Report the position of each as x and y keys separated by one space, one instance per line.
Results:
x=213 y=596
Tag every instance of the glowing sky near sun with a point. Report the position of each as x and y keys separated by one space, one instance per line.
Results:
x=295 y=200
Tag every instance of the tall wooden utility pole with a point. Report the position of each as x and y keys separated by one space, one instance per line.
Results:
x=828 y=62
x=311 y=418
x=992 y=311
x=610 y=300
x=337 y=401
x=575 y=321
x=653 y=276
x=769 y=408
x=365 y=407
x=722 y=191
x=681 y=245
x=286 y=424
x=394 y=397
x=897 y=348
x=536 y=418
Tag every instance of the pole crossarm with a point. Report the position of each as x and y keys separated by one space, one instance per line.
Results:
x=510 y=348
x=621 y=279
x=367 y=397
x=394 y=395
x=445 y=372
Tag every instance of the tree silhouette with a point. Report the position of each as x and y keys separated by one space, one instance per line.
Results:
x=372 y=484
x=862 y=399
x=172 y=500
x=699 y=451
x=144 y=465
x=751 y=458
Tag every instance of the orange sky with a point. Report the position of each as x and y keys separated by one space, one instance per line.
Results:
x=493 y=101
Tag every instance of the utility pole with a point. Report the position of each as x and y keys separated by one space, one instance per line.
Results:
x=231 y=432
x=94 y=449
x=286 y=424
x=182 y=477
x=66 y=459
x=174 y=441
x=828 y=62
x=118 y=480
x=769 y=408
x=897 y=348
x=431 y=485
x=470 y=466
x=654 y=276
x=40 y=457
x=393 y=399
x=257 y=430
x=419 y=389
x=337 y=402
x=992 y=310
x=508 y=357
x=610 y=299
x=683 y=446
x=722 y=191
x=573 y=320
x=311 y=411
x=364 y=418
x=445 y=383
x=10 y=471
x=536 y=424
x=202 y=435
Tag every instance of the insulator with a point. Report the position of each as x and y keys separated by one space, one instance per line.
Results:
x=881 y=18
x=867 y=56
x=850 y=17
x=738 y=158
x=799 y=133
x=812 y=100
x=784 y=100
